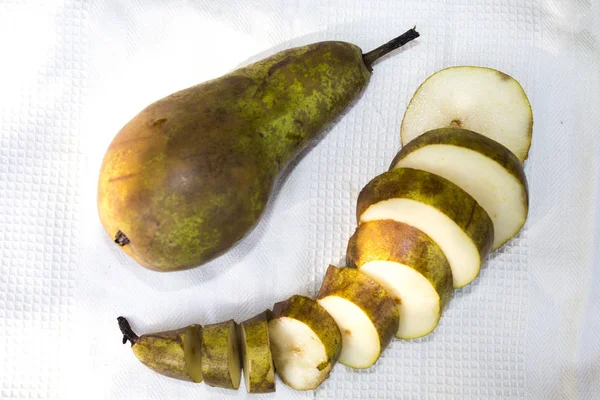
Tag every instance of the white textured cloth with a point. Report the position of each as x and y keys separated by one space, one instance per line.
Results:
x=72 y=72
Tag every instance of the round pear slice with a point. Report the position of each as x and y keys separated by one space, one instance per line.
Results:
x=485 y=169
x=410 y=266
x=305 y=342
x=176 y=353
x=221 y=366
x=480 y=99
x=259 y=372
x=364 y=312
x=438 y=208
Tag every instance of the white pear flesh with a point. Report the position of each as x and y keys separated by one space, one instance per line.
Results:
x=305 y=342
x=462 y=254
x=297 y=352
x=480 y=99
x=420 y=306
x=499 y=193
x=486 y=170
x=360 y=340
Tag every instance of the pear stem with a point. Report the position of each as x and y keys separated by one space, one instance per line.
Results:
x=128 y=333
x=373 y=55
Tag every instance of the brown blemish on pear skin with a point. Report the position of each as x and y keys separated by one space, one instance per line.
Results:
x=503 y=76
x=126 y=176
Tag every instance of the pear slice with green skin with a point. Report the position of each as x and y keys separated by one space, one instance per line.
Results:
x=365 y=313
x=259 y=371
x=485 y=169
x=480 y=99
x=305 y=342
x=176 y=353
x=221 y=361
x=437 y=207
x=410 y=266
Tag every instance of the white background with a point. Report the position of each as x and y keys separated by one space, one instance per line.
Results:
x=72 y=72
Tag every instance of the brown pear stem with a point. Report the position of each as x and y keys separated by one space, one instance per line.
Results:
x=372 y=56
x=128 y=333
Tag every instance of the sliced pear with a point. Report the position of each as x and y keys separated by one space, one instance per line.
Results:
x=410 y=266
x=175 y=353
x=480 y=99
x=259 y=372
x=192 y=345
x=364 y=312
x=485 y=169
x=221 y=366
x=437 y=207
x=305 y=342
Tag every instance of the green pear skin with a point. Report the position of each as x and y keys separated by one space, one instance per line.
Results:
x=220 y=366
x=191 y=174
x=259 y=371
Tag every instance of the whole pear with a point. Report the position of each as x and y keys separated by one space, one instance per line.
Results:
x=191 y=174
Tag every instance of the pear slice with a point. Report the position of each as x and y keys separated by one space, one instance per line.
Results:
x=480 y=99
x=176 y=353
x=305 y=342
x=221 y=366
x=410 y=266
x=259 y=372
x=364 y=312
x=485 y=169
x=438 y=208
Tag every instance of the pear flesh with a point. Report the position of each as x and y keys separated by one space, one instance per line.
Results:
x=479 y=99
x=176 y=353
x=417 y=301
x=410 y=266
x=438 y=208
x=485 y=169
x=305 y=342
x=364 y=312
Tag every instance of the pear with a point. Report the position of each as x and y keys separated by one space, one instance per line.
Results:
x=221 y=361
x=410 y=266
x=438 y=208
x=365 y=313
x=305 y=342
x=480 y=99
x=176 y=353
x=259 y=371
x=191 y=174
x=480 y=166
